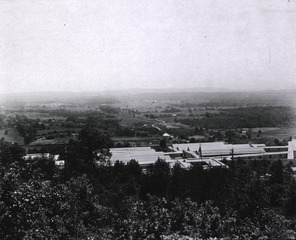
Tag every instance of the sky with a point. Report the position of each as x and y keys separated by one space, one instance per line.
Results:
x=99 y=45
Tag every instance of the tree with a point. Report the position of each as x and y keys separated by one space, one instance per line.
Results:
x=230 y=135
x=276 y=142
x=277 y=172
x=134 y=170
x=290 y=200
x=259 y=133
x=94 y=145
x=156 y=181
x=177 y=187
x=119 y=173
x=246 y=193
x=163 y=143
x=143 y=220
x=250 y=133
x=10 y=152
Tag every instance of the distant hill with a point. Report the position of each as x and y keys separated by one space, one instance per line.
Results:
x=205 y=97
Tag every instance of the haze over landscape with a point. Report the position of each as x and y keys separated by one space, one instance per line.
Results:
x=113 y=45
x=135 y=119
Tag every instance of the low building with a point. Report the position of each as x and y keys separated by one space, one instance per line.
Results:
x=167 y=136
x=56 y=158
x=216 y=149
x=33 y=156
x=146 y=156
x=143 y=155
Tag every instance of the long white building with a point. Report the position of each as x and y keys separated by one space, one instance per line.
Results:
x=209 y=154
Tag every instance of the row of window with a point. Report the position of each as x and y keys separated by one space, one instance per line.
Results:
x=261 y=157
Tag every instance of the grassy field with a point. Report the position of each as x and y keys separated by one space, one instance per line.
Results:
x=36 y=115
x=58 y=130
x=280 y=133
x=11 y=136
x=129 y=120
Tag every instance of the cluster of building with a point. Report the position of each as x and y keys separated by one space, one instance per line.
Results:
x=208 y=155
x=56 y=158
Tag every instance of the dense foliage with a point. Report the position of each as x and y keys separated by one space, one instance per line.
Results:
x=245 y=117
x=89 y=201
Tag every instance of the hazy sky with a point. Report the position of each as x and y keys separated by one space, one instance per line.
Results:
x=93 y=45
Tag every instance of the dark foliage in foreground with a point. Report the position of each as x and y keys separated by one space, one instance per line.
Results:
x=38 y=201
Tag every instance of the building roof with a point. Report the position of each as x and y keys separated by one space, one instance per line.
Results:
x=253 y=155
x=143 y=155
x=211 y=162
x=36 y=155
x=56 y=141
x=59 y=163
x=184 y=164
x=166 y=135
x=258 y=145
x=274 y=147
x=217 y=148
x=195 y=146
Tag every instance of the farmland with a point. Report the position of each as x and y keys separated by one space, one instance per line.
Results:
x=188 y=116
x=11 y=135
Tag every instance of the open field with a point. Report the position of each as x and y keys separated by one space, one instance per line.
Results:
x=38 y=115
x=263 y=129
x=281 y=133
x=130 y=120
x=11 y=136
x=169 y=123
x=58 y=130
